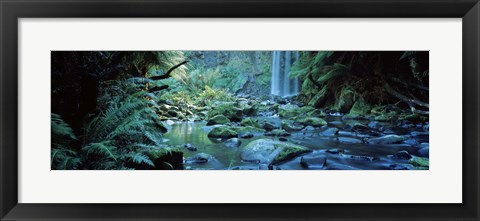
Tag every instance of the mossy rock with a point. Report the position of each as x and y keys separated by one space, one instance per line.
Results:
x=289 y=126
x=250 y=129
x=166 y=159
x=384 y=117
x=360 y=108
x=277 y=133
x=316 y=113
x=224 y=132
x=228 y=110
x=344 y=101
x=310 y=121
x=419 y=162
x=289 y=110
x=218 y=119
x=268 y=151
x=415 y=118
x=249 y=122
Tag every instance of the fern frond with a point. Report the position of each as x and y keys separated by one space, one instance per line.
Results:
x=139 y=158
x=103 y=148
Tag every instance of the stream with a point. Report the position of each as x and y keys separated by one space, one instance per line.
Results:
x=343 y=151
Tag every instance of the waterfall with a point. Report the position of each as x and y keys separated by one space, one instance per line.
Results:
x=282 y=85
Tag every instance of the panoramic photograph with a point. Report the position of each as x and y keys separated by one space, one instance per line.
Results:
x=240 y=110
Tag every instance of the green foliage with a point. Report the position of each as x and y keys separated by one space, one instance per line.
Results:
x=62 y=157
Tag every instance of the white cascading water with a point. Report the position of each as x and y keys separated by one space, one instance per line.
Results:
x=282 y=85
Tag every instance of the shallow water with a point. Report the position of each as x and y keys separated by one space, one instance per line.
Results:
x=195 y=133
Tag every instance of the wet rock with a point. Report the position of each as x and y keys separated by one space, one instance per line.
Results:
x=308 y=128
x=228 y=110
x=359 y=157
x=190 y=147
x=358 y=127
x=245 y=135
x=249 y=130
x=423 y=145
x=313 y=162
x=387 y=139
x=289 y=110
x=268 y=151
x=277 y=133
x=335 y=123
x=334 y=151
x=284 y=139
x=246 y=168
x=417 y=133
x=233 y=142
x=426 y=127
x=400 y=166
x=223 y=132
x=424 y=152
x=310 y=121
x=419 y=162
x=402 y=155
x=218 y=119
x=249 y=122
x=374 y=125
x=199 y=158
x=348 y=140
x=360 y=108
x=289 y=126
x=412 y=142
x=330 y=132
x=269 y=126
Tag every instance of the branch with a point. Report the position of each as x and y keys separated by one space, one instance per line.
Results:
x=167 y=75
x=157 y=88
x=421 y=87
x=404 y=98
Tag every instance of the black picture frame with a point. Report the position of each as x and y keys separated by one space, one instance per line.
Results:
x=11 y=10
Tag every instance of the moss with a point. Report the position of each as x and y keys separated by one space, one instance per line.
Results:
x=288 y=126
x=228 y=110
x=277 y=133
x=345 y=100
x=249 y=122
x=414 y=118
x=218 y=119
x=419 y=162
x=249 y=129
x=311 y=121
x=289 y=110
x=360 y=107
x=288 y=152
x=223 y=132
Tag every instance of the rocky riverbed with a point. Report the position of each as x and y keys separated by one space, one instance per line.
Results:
x=253 y=135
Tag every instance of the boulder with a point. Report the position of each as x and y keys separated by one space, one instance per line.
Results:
x=223 y=132
x=277 y=133
x=249 y=122
x=233 y=142
x=218 y=119
x=268 y=151
x=419 y=162
x=387 y=139
x=402 y=155
x=313 y=162
x=332 y=131
x=190 y=147
x=230 y=111
x=289 y=126
x=289 y=110
x=311 y=121
x=424 y=152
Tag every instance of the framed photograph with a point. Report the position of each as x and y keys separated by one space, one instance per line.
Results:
x=228 y=110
